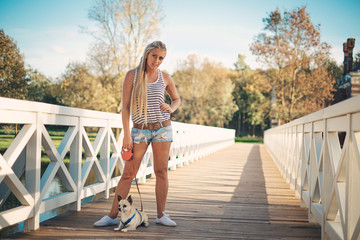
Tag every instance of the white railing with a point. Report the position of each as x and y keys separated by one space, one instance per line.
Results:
x=319 y=156
x=20 y=165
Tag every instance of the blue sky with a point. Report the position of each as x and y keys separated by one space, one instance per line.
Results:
x=48 y=33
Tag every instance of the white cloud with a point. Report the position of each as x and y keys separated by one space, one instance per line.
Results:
x=58 y=49
x=71 y=34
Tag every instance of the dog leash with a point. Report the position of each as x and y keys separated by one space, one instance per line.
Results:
x=126 y=156
x=137 y=186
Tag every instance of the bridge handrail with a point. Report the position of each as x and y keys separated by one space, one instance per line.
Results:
x=20 y=165
x=318 y=155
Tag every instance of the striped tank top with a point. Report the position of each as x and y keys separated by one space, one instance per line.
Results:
x=155 y=96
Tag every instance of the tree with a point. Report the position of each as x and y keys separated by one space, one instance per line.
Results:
x=251 y=94
x=124 y=29
x=335 y=69
x=79 y=88
x=357 y=60
x=240 y=77
x=13 y=80
x=205 y=89
x=292 y=47
x=259 y=92
x=40 y=87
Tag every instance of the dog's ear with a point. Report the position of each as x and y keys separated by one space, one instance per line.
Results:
x=119 y=198
x=130 y=199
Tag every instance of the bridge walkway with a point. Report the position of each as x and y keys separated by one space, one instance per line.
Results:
x=235 y=193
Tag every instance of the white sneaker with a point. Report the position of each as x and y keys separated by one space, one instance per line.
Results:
x=166 y=221
x=106 y=221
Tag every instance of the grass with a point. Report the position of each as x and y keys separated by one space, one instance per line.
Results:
x=249 y=139
x=4 y=143
x=7 y=137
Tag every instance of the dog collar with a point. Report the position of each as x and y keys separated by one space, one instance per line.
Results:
x=129 y=220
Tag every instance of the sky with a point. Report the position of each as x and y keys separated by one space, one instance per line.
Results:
x=48 y=34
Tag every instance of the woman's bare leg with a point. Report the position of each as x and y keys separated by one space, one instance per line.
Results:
x=127 y=176
x=161 y=158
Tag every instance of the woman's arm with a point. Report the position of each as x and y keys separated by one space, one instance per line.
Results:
x=171 y=90
x=126 y=98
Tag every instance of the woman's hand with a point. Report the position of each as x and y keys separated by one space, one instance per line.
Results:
x=166 y=108
x=127 y=142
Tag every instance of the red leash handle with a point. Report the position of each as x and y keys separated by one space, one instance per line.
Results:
x=127 y=155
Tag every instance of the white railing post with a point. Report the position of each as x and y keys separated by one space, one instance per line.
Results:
x=33 y=173
x=353 y=201
x=75 y=164
x=105 y=160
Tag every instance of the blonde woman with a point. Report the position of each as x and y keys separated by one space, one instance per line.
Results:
x=143 y=98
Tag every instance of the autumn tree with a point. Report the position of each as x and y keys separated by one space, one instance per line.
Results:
x=79 y=88
x=205 y=91
x=292 y=47
x=13 y=80
x=124 y=28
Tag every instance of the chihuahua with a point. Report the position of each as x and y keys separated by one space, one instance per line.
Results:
x=131 y=218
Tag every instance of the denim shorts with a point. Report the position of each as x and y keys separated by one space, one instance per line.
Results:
x=163 y=134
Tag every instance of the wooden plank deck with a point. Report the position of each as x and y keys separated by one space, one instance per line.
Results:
x=236 y=193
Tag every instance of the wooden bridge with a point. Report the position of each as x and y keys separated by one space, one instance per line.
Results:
x=235 y=193
x=221 y=189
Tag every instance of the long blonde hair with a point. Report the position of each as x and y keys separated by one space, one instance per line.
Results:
x=139 y=91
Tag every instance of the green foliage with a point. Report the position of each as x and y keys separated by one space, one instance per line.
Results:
x=334 y=69
x=252 y=96
x=249 y=139
x=13 y=80
x=41 y=88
